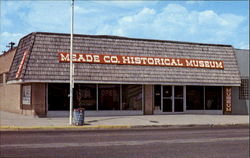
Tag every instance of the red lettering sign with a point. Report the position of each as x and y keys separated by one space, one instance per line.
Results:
x=140 y=60
x=20 y=67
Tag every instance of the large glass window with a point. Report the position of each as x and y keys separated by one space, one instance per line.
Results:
x=213 y=98
x=131 y=97
x=58 y=96
x=195 y=98
x=85 y=96
x=109 y=97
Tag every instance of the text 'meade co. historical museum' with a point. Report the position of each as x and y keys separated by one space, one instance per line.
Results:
x=118 y=75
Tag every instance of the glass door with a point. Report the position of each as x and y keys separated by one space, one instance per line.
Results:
x=167 y=99
x=172 y=99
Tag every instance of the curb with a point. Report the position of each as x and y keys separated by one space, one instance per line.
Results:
x=103 y=127
x=87 y=127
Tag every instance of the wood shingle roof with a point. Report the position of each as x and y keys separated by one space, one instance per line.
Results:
x=42 y=64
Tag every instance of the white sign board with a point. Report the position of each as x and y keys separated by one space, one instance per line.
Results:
x=26 y=98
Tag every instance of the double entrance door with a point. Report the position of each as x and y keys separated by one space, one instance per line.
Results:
x=169 y=98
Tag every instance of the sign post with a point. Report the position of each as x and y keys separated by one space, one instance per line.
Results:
x=71 y=65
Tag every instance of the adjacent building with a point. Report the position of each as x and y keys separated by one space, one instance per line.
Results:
x=119 y=75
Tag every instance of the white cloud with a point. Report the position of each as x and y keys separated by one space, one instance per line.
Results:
x=126 y=4
x=81 y=10
x=175 y=22
x=141 y=19
x=194 y=2
x=10 y=35
x=47 y=16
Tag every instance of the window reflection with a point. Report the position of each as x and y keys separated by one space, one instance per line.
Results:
x=85 y=96
x=131 y=97
x=195 y=98
x=109 y=97
x=213 y=97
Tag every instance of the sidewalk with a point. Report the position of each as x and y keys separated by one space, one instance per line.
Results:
x=11 y=121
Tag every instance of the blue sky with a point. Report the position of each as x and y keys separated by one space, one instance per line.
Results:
x=220 y=22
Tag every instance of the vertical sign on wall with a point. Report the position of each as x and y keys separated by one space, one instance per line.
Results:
x=227 y=100
x=26 y=95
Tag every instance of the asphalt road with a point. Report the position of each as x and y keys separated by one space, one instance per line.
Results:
x=212 y=142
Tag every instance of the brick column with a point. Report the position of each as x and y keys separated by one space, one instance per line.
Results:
x=148 y=100
x=39 y=98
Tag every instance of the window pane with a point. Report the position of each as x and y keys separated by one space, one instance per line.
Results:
x=178 y=91
x=131 y=97
x=195 y=98
x=213 y=98
x=109 y=97
x=85 y=96
x=167 y=91
x=167 y=105
x=157 y=98
x=178 y=105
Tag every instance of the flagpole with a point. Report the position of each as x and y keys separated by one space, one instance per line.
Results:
x=71 y=65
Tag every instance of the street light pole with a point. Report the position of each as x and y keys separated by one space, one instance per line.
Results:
x=71 y=87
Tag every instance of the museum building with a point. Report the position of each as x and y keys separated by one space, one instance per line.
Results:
x=119 y=76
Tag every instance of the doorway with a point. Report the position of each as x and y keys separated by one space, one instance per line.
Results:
x=171 y=98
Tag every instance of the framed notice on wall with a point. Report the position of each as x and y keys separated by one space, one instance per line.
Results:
x=26 y=95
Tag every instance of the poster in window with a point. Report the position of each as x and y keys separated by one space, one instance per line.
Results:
x=26 y=99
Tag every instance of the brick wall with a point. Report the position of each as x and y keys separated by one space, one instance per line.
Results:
x=39 y=99
x=148 y=99
x=6 y=60
x=9 y=93
x=10 y=98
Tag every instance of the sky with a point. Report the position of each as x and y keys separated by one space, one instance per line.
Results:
x=216 y=22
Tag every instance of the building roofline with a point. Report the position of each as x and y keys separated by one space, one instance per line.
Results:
x=128 y=38
x=245 y=50
x=8 y=51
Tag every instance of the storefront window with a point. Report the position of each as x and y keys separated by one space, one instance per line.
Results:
x=58 y=96
x=85 y=96
x=195 y=98
x=109 y=97
x=178 y=98
x=213 y=98
x=131 y=97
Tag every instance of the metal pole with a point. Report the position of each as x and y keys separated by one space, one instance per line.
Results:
x=71 y=65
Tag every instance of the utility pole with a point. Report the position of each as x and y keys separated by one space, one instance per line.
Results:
x=71 y=87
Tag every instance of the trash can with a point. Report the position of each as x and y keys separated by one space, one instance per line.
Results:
x=78 y=116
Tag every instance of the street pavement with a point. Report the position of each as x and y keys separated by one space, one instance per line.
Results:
x=157 y=142
x=18 y=121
